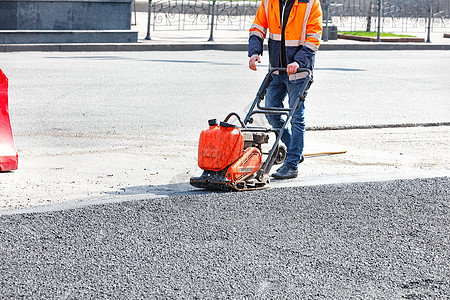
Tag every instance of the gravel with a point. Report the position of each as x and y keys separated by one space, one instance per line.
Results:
x=379 y=240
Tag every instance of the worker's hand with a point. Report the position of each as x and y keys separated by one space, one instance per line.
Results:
x=292 y=68
x=252 y=62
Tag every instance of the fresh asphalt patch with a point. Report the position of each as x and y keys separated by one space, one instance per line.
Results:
x=380 y=240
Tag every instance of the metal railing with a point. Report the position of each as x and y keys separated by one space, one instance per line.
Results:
x=365 y=15
x=397 y=15
x=196 y=14
x=201 y=14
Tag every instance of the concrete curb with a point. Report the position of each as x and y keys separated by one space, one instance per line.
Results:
x=44 y=37
x=379 y=126
x=159 y=46
x=383 y=39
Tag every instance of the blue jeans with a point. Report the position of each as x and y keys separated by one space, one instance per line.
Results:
x=294 y=135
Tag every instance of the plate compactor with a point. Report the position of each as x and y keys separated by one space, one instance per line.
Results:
x=232 y=157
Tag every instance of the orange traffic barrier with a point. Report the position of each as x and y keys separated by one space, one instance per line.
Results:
x=8 y=153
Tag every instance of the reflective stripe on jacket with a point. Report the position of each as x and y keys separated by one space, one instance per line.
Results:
x=302 y=33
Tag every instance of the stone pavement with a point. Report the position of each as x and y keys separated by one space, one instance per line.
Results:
x=228 y=40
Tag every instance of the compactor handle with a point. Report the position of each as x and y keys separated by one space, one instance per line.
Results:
x=263 y=89
x=299 y=70
x=268 y=79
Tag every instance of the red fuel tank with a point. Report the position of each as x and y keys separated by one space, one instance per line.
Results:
x=219 y=146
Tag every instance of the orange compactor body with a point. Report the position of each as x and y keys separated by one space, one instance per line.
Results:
x=222 y=156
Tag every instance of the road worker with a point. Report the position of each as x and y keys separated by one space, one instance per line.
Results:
x=295 y=28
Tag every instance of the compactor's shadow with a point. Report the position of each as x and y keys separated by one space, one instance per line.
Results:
x=169 y=190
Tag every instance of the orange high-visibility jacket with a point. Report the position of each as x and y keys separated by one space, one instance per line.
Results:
x=302 y=32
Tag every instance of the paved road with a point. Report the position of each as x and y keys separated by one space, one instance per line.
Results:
x=386 y=240
x=102 y=126
x=165 y=91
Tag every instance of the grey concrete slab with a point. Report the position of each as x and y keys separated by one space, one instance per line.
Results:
x=228 y=47
x=65 y=15
x=84 y=21
x=66 y=36
x=178 y=47
x=134 y=47
x=36 y=47
x=186 y=46
x=427 y=47
x=87 y=47
x=403 y=46
x=8 y=15
x=360 y=47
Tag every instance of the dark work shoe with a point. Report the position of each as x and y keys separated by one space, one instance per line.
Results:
x=285 y=172
x=302 y=158
x=281 y=169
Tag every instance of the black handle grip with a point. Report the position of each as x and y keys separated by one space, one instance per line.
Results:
x=299 y=70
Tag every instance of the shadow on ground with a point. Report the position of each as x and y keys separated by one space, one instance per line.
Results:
x=171 y=189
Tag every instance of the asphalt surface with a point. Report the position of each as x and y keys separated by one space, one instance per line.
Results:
x=118 y=126
x=166 y=91
x=384 y=240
